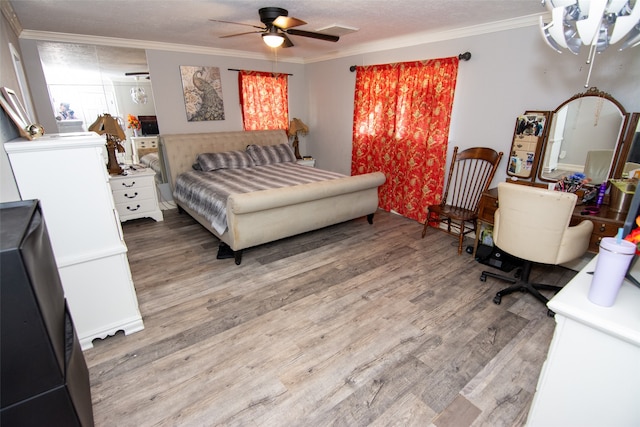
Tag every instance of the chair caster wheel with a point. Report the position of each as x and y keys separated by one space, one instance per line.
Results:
x=497 y=299
x=483 y=278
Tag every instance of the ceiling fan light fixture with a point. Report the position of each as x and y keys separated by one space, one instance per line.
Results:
x=272 y=39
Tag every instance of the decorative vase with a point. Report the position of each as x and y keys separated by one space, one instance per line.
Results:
x=135 y=132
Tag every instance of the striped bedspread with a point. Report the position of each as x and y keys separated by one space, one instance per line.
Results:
x=207 y=192
x=151 y=160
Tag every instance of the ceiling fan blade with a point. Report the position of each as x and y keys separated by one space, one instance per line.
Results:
x=287 y=41
x=319 y=36
x=285 y=22
x=237 y=23
x=239 y=34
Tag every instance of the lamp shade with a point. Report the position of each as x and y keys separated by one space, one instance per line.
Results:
x=107 y=124
x=297 y=126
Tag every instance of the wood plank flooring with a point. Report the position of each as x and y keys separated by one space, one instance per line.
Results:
x=351 y=325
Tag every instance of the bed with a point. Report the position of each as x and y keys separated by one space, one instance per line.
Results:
x=258 y=217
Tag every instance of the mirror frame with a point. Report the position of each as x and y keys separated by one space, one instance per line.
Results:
x=615 y=169
x=537 y=152
x=631 y=130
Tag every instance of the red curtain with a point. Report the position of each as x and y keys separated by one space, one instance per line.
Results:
x=264 y=100
x=401 y=127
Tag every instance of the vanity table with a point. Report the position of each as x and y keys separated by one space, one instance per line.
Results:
x=591 y=376
x=605 y=222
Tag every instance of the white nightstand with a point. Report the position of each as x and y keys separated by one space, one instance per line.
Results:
x=135 y=195
x=307 y=162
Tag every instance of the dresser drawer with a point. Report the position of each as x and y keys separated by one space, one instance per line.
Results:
x=133 y=194
x=487 y=208
x=600 y=229
x=136 y=207
x=133 y=181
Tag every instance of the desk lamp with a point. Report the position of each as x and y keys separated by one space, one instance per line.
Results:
x=296 y=127
x=107 y=125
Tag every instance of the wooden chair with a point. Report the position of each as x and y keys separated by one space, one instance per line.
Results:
x=470 y=175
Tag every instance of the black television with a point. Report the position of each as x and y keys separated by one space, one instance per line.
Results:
x=149 y=125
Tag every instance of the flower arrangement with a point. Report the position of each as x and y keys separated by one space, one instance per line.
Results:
x=634 y=236
x=133 y=121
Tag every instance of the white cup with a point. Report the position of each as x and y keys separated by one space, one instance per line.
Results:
x=611 y=267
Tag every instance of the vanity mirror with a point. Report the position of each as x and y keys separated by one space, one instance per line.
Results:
x=585 y=135
x=630 y=157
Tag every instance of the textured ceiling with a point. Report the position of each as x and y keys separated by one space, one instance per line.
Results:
x=187 y=22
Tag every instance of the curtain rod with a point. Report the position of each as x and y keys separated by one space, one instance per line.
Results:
x=463 y=57
x=235 y=69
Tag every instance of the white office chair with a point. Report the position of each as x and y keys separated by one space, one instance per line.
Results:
x=597 y=165
x=533 y=224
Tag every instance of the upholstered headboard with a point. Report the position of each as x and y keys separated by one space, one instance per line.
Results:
x=179 y=151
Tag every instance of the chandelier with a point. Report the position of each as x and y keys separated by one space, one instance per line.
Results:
x=594 y=23
x=138 y=95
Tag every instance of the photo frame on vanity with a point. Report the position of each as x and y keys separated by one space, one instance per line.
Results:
x=529 y=132
x=16 y=112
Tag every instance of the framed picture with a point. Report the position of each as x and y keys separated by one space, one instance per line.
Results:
x=14 y=109
x=202 y=88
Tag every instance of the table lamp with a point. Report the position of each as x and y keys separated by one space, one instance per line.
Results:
x=296 y=127
x=107 y=125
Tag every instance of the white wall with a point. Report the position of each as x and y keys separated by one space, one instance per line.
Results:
x=8 y=188
x=509 y=72
x=167 y=88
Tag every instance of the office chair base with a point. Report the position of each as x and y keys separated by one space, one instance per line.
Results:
x=521 y=284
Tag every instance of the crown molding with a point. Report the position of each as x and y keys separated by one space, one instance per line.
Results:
x=146 y=44
x=11 y=17
x=427 y=37
x=382 y=45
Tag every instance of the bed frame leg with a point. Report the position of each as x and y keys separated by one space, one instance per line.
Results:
x=225 y=252
x=370 y=218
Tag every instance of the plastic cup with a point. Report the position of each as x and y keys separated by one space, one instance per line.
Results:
x=611 y=267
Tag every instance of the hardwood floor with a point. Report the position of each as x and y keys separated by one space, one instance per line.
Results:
x=351 y=325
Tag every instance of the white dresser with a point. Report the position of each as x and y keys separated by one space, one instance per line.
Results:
x=592 y=373
x=135 y=195
x=67 y=173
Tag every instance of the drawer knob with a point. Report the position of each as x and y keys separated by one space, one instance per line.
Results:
x=129 y=185
x=131 y=197
x=129 y=208
x=603 y=227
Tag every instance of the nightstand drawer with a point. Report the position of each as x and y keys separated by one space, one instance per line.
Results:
x=131 y=181
x=135 y=195
x=487 y=208
x=136 y=207
x=132 y=194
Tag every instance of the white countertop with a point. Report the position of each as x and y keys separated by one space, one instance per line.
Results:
x=621 y=320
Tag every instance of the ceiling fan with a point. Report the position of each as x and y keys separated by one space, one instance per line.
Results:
x=277 y=26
